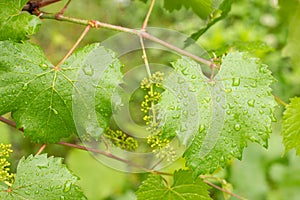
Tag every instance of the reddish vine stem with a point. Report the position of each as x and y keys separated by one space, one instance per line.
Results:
x=144 y=34
x=223 y=190
x=41 y=149
x=65 y=7
x=86 y=30
x=148 y=15
x=110 y=155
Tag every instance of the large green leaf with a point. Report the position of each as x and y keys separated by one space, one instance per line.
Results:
x=15 y=24
x=40 y=97
x=291 y=126
x=184 y=187
x=39 y=177
x=216 y=117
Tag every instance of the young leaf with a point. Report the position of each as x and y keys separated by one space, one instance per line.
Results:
x=14 y=24
x=184 y=187
x=232 y=108
x=39 y=177
x=291 y=124
x=40 y=97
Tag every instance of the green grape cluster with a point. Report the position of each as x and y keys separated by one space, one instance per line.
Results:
x=161 y=146
x=5 y=175
x=121 y=139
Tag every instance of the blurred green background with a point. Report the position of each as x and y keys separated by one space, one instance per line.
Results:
x=269 y=29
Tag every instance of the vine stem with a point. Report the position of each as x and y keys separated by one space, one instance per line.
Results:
x=222 y=189
x=144 y=34
x=41 y=149
x=280 y=101
x=86 y=30
x=148 y=15
x=105 y=153
x=110 y=155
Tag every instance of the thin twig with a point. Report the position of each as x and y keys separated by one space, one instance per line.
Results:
x=98 y=24
x=86 y=30
x=145 y=58
x=62 y=11
x=8 y=122
x=224 y=190
x=41 y=149
x=105 y=153
x=110 y=155
x=280 y=101
x=148 y=15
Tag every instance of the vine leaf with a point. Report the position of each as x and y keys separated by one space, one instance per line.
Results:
x=202 y=8
x=14 y=24
x=291 y=124
x=40 y=97
x=216 y=118
x=39 y=177
x=217 y=15
x=184 y=187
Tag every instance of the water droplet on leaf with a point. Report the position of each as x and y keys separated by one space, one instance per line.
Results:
x=67 y=186
x=251 y=102
x=201 y=128
x=236 y=81
x=88 y=70
x=25 y=86
x=43 y=66
x=237 y=127
x=193 y=76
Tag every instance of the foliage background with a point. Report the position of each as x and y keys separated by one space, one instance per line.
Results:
x=267 y=29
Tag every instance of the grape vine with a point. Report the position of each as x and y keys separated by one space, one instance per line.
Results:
x=204 y=111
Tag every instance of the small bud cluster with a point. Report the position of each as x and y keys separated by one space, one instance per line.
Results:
x=5 y=175
x=121 y=139
x=161 y=146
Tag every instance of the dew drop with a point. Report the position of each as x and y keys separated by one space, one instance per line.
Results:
x=193 y=76
x=171 y=108
x=228 y=112
x=67 y=186
x=253 y=84
x=207 y=99
x=237 y=127
x=201 y=128
x=228 y=90
x=25 y=86
x=236 y=81
x=62 y=198
x=251 y=102
x=43 y=66
x=27 y=192
x=36 y=192
x=273 y=118
x=261 y=112
x=88 y=70
x=222 y=159
x=176 y=116
x=184 y=71
x=55 y=111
